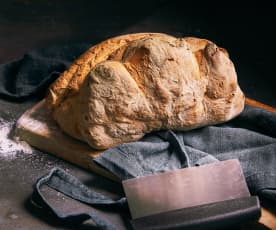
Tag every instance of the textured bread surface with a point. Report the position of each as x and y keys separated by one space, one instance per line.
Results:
x=130 y=85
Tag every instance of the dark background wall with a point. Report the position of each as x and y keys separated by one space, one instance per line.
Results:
x=246 y=31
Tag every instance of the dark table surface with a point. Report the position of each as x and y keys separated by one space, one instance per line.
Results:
x=246 y=32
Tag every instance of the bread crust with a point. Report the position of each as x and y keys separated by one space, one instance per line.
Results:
x=130 y=85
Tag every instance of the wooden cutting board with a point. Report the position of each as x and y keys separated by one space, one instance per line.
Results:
x=37 y=128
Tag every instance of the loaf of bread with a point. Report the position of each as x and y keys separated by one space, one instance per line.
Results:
x=130 y=85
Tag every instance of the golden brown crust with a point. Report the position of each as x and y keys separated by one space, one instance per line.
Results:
x=130 y=85
x=70 y=80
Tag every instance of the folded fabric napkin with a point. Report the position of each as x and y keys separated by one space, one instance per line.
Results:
x=250 y=137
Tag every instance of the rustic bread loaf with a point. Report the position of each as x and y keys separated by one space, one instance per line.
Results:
x=127 y=86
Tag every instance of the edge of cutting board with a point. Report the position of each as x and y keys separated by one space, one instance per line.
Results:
x=37 y=128
x=260 y=105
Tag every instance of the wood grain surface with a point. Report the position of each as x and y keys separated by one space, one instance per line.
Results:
x=260 y=105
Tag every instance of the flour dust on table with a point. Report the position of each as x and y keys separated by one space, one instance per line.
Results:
x=10 y=147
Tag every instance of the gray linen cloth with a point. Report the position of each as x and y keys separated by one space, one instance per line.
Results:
x=250 y=137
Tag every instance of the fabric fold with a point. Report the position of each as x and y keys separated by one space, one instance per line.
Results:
x=31 y=75
x=254 y=147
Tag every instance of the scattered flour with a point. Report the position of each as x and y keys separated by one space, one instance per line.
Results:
x=10 y=148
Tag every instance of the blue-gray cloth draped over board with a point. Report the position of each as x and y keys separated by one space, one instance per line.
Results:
x=251 y=138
